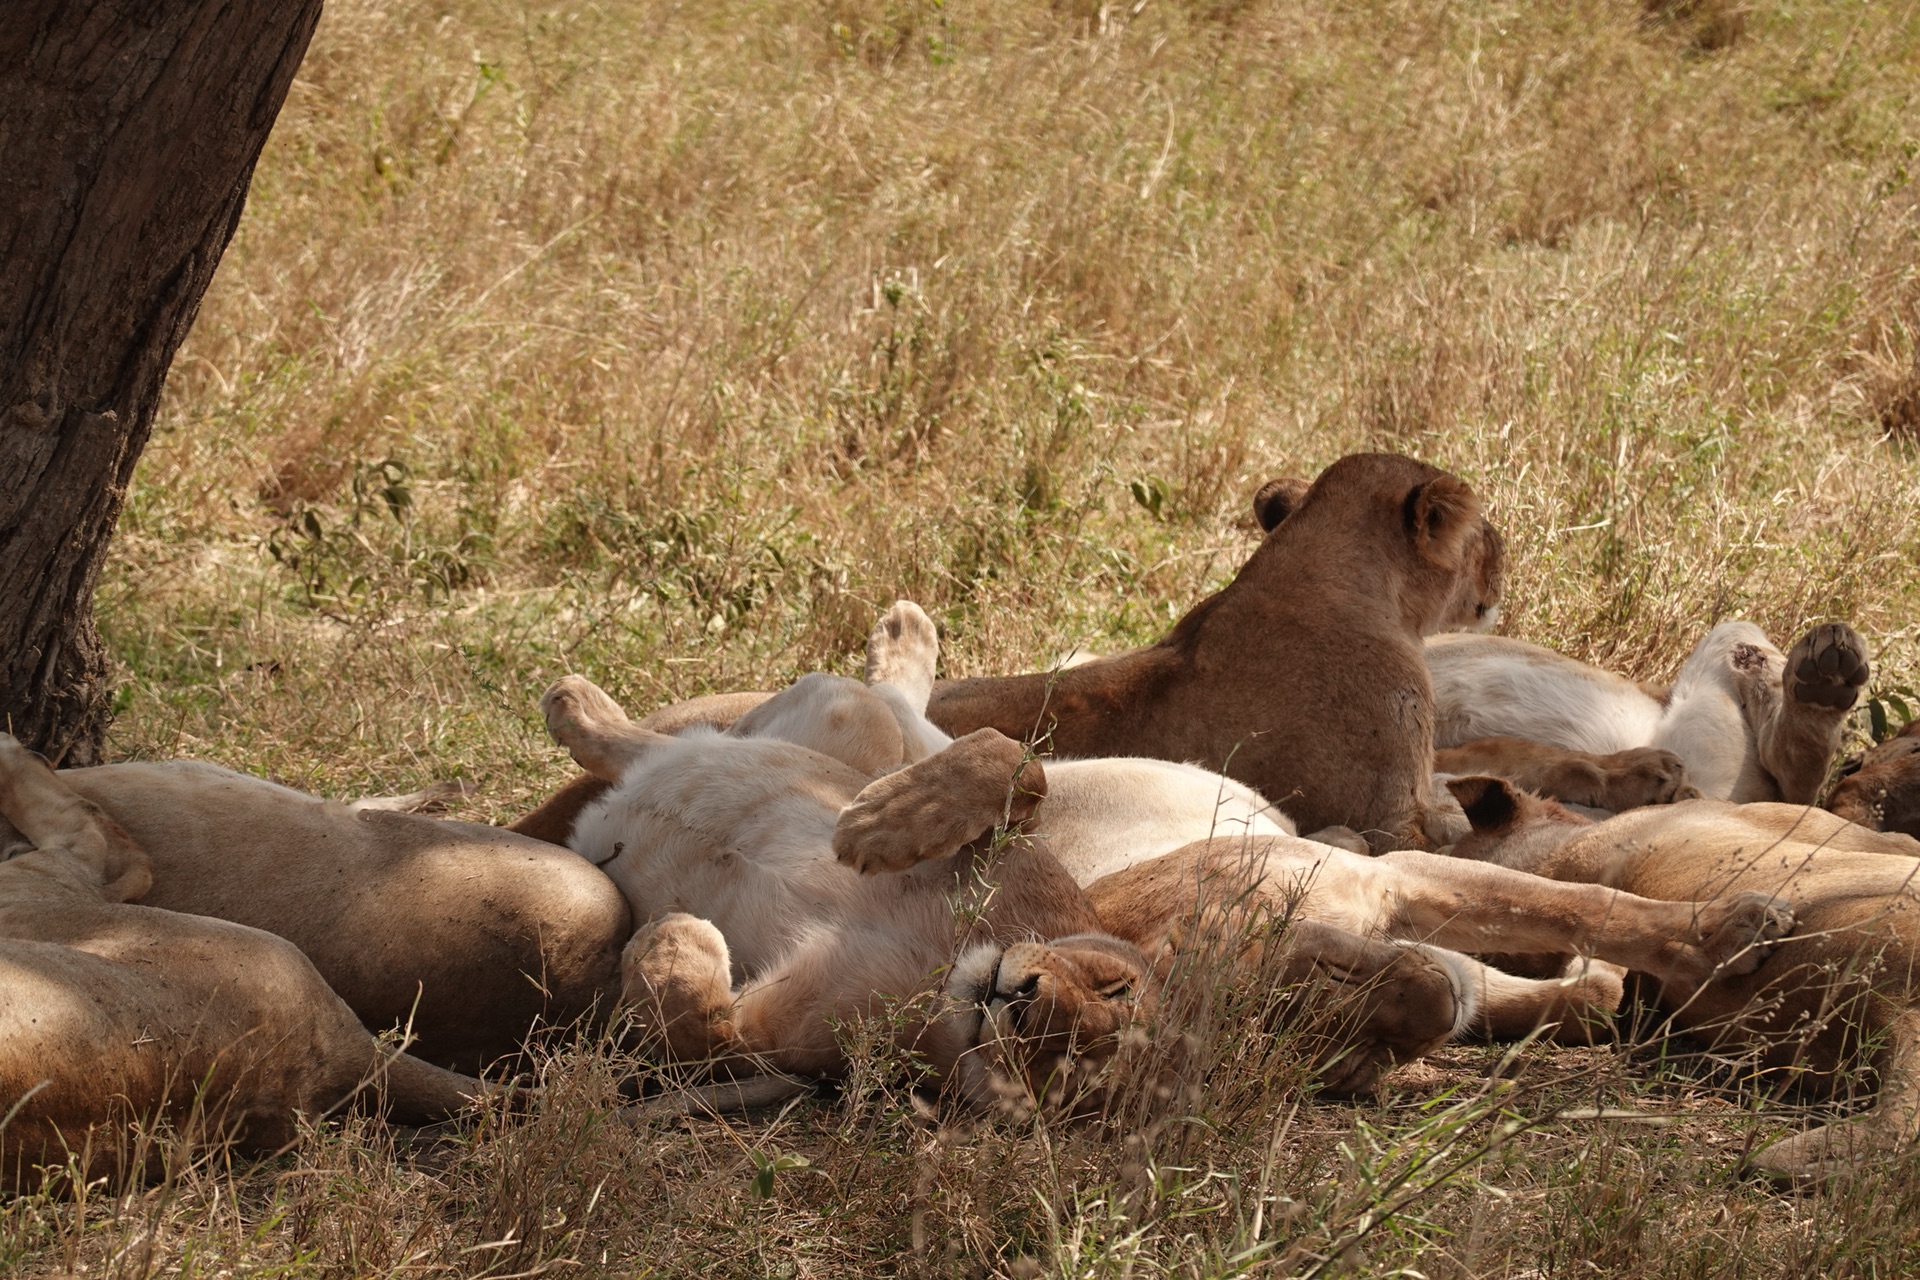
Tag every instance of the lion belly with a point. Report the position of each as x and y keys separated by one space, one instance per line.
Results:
x=1103 y=816
x=1492 y=686
x=737 y=831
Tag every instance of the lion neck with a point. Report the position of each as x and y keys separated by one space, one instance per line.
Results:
x=1540 y=844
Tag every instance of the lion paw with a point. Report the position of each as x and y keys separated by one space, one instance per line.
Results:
x=1642 y=776
x=590 y=725
x=1342 y=838
x=1827 y=667
x=676 y=986
x=902 y=652
x=1740 y=932
x=575 y=707
x=932 y=808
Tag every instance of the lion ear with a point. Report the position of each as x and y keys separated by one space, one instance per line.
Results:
x=1489 y=803
x=1440 y=514
x=1276 y=500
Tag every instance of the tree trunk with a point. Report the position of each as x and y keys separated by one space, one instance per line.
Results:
x=129 y=131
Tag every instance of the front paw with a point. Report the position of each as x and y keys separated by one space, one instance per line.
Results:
x=676 y=986
x=932 y=808
x=1643 y=776
x=1740 y=932
x=1827 y=667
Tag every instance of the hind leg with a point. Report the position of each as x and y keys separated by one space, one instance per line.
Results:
x=875 y=727
x=1728 y=685
x=594 y=729
x=901 y=655
x=1820 y=679
x=1754 y=724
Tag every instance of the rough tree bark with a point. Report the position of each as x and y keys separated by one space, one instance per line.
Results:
x=128 y=135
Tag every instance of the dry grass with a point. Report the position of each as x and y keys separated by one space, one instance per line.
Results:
x=670 y=343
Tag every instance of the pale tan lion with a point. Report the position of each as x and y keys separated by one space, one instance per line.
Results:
x=469 y=934
x=111 y=1012
x=1746 y=722
x=1845 y=984
x=786 y=889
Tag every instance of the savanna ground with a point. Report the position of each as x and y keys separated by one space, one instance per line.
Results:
x=670 y=343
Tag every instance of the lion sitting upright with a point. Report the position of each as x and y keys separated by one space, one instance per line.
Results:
x=1304 y=676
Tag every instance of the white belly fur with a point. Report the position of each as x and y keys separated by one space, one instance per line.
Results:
x=1493 y=686
x=1102 y=816
x=738 y=831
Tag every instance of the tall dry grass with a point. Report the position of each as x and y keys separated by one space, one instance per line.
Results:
x=670 y=343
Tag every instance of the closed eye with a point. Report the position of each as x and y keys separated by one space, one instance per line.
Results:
x=1116 y=990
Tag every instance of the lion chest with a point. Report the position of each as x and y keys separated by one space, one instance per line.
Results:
x=736 y=832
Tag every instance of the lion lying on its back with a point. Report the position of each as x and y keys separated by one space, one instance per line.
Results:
x=1746 y=722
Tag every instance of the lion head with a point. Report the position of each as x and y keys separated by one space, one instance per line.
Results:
x=1456 y=557
x=1040 y=1018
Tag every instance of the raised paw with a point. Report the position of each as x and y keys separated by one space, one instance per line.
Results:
x=1741 y=930
x=902 y=651
x=1827 y=667
x=932 y=808
x=576 y=706
x=590 y=725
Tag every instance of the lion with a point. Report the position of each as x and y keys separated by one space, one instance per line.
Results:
x=1303 y=678
x=1842 y=986
x=1880 y=789
x=470 y=935
x=112 y=1012
x=822 y=861
x=1745 y=722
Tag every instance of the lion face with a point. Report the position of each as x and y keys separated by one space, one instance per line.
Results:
x=1475 y=602
x=1045 y=1015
